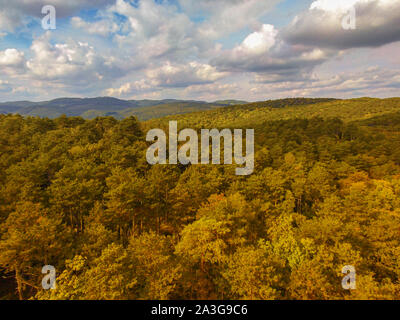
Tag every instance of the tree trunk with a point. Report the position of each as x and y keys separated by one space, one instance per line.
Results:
x=19 y=283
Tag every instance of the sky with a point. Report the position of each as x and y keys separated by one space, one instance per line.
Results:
x=200 y=49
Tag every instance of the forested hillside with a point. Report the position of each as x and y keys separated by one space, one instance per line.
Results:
x=325 y=193
x=90 y=108
x=253 y=114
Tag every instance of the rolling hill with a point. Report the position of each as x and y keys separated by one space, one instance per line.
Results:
x=257 y=114
x=90 y=108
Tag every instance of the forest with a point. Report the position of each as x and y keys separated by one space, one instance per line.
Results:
x=79 y=195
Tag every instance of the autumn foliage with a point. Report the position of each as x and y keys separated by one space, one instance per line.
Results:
x=79 y=195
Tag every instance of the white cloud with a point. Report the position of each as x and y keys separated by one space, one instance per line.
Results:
x=74 y=64
x=170 y=76
x=176 y=48
x=128 y=89
x=226 y=16
x=341 y=6
x=264 y=52
x=12 y=58
x=155 y=30
x=260 y=41
x=372 y=81
x=103 y=27
x=377 y=23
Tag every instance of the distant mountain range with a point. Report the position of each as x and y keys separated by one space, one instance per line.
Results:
x=90 y=108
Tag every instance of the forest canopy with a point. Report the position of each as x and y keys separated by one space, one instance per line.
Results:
x=325 y=193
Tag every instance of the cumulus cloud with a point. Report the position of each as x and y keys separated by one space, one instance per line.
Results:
x=264 y=52
x=74 y=63
x=377 y=23
x=227 y=16
x=193 y=48
x=12 y=62
x=260 y=41
x=170 y=76
x=155 y=30
x=130 y=88
x=372 y=81
x=12 y=58
x=103 y=27
x=373 y=78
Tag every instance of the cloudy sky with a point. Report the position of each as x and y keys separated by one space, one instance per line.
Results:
x=200 y=49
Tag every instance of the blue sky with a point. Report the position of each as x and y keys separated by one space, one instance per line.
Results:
x=200 y=49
